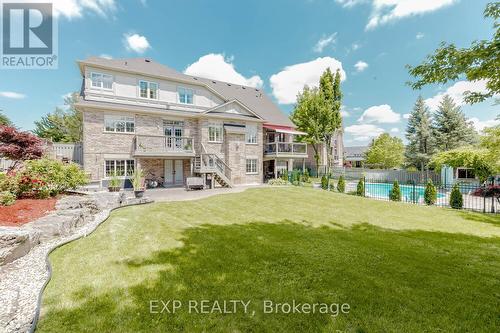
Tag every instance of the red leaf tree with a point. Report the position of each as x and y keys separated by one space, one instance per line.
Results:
x=19 y=146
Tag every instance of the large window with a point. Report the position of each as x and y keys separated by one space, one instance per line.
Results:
x=101 y=81
x=251 y=166
x=251 y=133
x=185 y=95
x=148 y=89
x=119 y=124
x=119 y=168
x=215 y=132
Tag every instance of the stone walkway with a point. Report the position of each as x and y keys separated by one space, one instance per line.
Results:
x=22 y=279
x=180 y=194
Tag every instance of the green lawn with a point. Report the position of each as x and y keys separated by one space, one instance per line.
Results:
x=401 y=268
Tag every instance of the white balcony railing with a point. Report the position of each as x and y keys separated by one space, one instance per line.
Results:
x=285 y=148
x=163 y=145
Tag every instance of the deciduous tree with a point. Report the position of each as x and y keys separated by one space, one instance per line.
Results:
x=480 y=61
x=386 y=152
x=19 y=146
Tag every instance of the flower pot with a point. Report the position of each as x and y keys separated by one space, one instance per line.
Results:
x=114 y=188
x=139 y=193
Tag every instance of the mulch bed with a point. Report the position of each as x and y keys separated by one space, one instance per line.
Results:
x=25 y=210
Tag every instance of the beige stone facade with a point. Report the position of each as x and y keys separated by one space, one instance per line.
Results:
x=100 y=145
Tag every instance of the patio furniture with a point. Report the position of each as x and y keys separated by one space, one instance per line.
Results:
x=194 y=183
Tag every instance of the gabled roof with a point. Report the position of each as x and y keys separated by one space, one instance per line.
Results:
x=254 y=99
x=250 y=113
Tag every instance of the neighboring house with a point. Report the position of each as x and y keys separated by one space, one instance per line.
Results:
x=337 y=146
x=140 y=114
x=355 y=156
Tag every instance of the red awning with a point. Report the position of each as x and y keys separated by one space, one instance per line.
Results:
x=283 y=129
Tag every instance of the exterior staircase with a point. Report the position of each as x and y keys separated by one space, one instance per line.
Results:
x=211 y=163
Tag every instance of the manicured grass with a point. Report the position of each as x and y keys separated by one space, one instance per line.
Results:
x=401 y=268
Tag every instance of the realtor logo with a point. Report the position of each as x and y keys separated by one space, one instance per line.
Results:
x=28 y=36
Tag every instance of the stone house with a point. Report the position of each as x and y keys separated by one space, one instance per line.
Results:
x=140 y=114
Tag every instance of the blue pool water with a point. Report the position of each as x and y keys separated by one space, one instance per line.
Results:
x=381 y=190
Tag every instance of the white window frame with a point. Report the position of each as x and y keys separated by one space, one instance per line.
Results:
x=102 y=75
x=116 y=118
x=251 y=134
x=148 y=89
x=467 y=173
x=219 y=128
x=256 y=165
x=125 y=160
x=179 y=88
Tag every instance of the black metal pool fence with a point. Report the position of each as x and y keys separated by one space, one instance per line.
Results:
x=379 y=183
x=474 y=197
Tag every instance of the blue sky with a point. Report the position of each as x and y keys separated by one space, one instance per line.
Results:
x=277 y=44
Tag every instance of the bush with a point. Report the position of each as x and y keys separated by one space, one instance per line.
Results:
x=7 y=198
x=395 y=192
x=284 y=176
x=341 y=184
x=9 y=182
x=324 y=182
x=52 y=176
x=456 y=199
x=430 y=194
x=360 y=189
x=305 y=176
x=277 y=182
x=295 y=179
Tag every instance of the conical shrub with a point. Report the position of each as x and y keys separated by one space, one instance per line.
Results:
x=341 y=184
x=395 y=193
x=430 y=194
x=456 y=199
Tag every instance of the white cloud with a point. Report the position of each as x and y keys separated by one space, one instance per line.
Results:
x=406 y=116
x=360 y=66
x=394 y=130
x=385 y=11
x=11 y=94
x=343 y=111
x=381 y=114
x=292 y=79
x=76 y=8
x=480 y=125
x=364 y=132
x=136 y=43
x=456 y=92
x=105 y=56
x=419 y=35
x=215 y=66
x=324 y=41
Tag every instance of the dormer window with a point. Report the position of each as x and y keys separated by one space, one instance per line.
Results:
x=148 y=89
x=101 y=81
x=185 y=95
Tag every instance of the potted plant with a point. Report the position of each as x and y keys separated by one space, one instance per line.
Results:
x=138 y=183
x=114 y=183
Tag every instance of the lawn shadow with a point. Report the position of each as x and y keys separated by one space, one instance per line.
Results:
x=383 y=276
x=481 y=217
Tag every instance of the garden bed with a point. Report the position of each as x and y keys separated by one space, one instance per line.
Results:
x=25 y=210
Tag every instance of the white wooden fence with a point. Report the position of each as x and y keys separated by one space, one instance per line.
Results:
x=68 y=151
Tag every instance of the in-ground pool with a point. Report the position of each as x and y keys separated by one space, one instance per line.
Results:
x=408 y=192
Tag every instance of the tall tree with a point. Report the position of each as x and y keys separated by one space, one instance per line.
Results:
x=480 y=61
x=490 y=141
x=307 y=117
x=4 y=120
x=451 y=128
x=419 y=134
x=329 y=87
x=385 y=152
x=63 y=125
